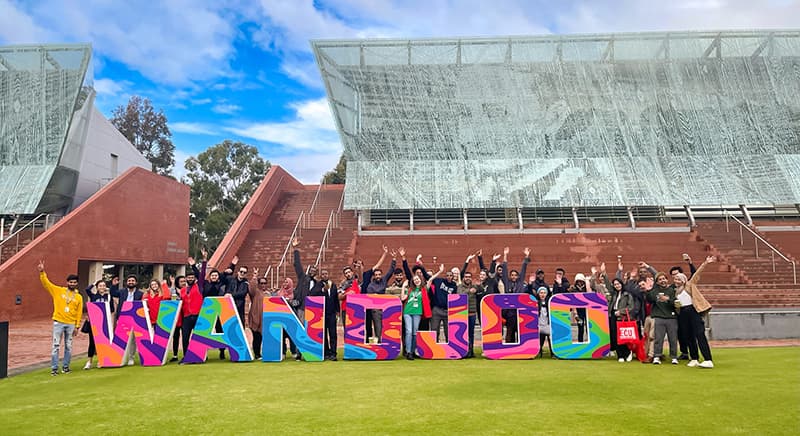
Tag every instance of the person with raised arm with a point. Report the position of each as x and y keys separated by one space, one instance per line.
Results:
x=67 y=313
x=192 y=299
x=238 y=285
x=376 y=282
x=442 y=288
x=471 y=290
x=692 y=304
x=97 y=292
x=664 y=318
x=327 y=289
x=514 y=283
x=306 y=283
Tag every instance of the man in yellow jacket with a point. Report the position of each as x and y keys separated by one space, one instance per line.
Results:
x=67 y=313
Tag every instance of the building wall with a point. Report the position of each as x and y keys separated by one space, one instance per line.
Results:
x=140 y=217
x=96 y=168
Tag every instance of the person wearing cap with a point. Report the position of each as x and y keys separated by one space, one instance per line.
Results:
x=537 y=281
x=579 y=315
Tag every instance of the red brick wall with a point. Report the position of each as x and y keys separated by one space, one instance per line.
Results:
x=140 y=217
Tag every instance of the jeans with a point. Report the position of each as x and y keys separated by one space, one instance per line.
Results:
x=412 y=326
x=59 y=329
x=186 y=331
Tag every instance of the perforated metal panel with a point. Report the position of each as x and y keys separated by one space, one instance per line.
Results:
x=39 y=90
x=562 y=121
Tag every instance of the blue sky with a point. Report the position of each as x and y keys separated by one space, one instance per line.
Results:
x=243 y=70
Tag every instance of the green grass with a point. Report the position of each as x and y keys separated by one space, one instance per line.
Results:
x=751 y=391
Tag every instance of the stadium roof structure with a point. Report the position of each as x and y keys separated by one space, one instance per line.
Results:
x=676 y=118
x=41 y=87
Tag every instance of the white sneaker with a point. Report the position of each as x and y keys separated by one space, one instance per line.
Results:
x=130 y=362
x=656 y=361
x=692 y=363
x=674 y=361
x=621 y=360
x=630 y=357
x=707 y=364
x=88 y=365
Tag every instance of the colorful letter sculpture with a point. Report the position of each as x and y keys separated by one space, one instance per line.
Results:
x=152 y=342
x=457 y=344
x=232 y=337
x=492 y=326
x=308 y=336
x=597 y=322
x=355 y=347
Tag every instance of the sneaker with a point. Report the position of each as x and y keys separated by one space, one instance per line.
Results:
x=707 y=364
x=130 y=362
x=174 y=359
x=298 y=357
x=621 y=360
x=693 y=363
x=674 y=361
x=656 y=361
x=683 y=357
x=54 y=372
x=629 y=358
x=409 y=356
x=88 y=365
x=65 y=370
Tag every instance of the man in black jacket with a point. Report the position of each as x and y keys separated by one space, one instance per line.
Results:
x=327 y=289
x=238 y=286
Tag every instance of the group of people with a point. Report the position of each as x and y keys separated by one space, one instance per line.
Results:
x=660 y=304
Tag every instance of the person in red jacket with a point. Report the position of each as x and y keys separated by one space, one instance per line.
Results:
x=152 y=297
x=192 y=299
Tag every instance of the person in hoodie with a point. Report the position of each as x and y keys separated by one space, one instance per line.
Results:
x=514 y=283
x=665 y=319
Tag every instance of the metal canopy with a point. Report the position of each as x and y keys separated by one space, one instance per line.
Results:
x=690 y=118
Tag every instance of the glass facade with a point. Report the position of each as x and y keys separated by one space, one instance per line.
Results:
x=568 y=121
x=40 y=90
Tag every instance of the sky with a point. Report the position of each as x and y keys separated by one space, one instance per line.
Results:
x=243 y=70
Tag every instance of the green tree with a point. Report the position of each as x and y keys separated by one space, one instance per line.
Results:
x=147 y=130
x=337 y=175
x=222 y=179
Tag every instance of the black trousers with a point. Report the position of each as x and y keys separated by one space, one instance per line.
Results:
x=621 y=350
x=542 y=339
x=580 y=319
x=691 y=325
x=331 y=337
x=186 y=331
x=92 y=349
x=510 y=315
x=176 y=341
x=256 y=344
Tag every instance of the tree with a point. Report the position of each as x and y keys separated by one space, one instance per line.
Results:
x=147 y=130
x=337 y=175
x=222 y=179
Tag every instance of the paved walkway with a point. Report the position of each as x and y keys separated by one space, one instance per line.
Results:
x=30 y=343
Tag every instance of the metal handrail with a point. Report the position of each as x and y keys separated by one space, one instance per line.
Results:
x=757 y=238
x=316 y=196
x=16 y=232
x=324 y=243
x=297 y=229
x=32 y=225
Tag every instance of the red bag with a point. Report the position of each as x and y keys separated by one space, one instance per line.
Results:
x=627 y=331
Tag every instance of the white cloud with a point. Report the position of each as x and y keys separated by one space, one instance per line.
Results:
x=179 y=171
x=312 y=128
x=299 y=167
x=201 y=101
x=175 y=42
x=192 y=128
x=107 y=87
x=226 y=108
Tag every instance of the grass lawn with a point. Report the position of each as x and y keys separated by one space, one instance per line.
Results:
x=751 y=391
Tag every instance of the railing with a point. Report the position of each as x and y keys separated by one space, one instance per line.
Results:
x=49 y=220
x=324 y=244
x=314 y=203
x=756 y=239
x=339 y=212
x=296 y=232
